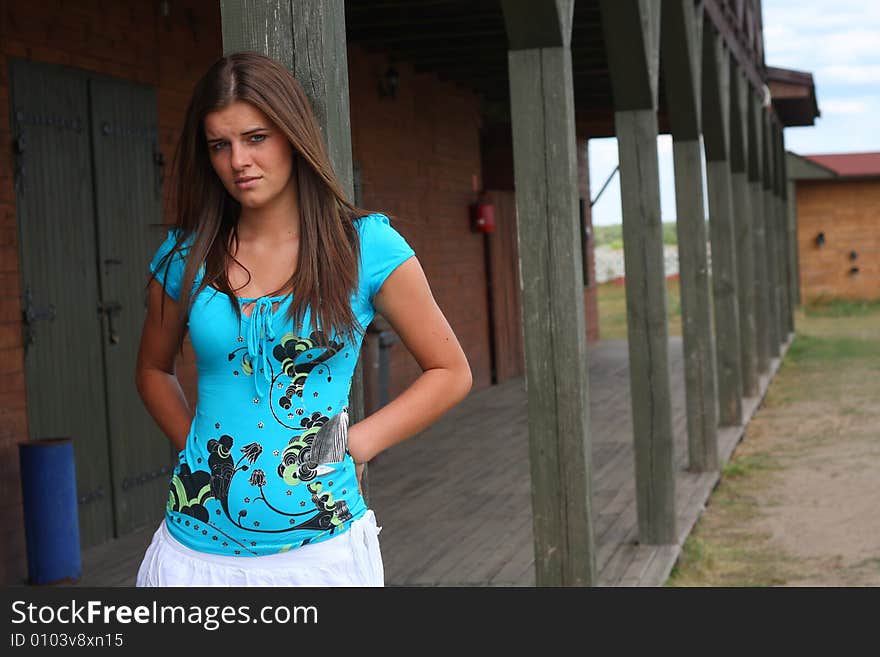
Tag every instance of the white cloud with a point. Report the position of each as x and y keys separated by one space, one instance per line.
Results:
x=869 y=73
x=809 y=34
x=843 y=106
x=839 y=42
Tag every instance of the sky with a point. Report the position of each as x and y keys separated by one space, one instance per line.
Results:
x=838 y=41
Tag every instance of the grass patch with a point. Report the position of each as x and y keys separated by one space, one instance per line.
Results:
x=807 y=348
x=722 y=549
x=823 y=307
x=746 y=465
x=612 y=309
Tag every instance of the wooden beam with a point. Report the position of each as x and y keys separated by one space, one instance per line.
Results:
x=308 y=37
x=743 y=235
x=716 y=133
x=631 y=29
x=681 y=58
x=786 y=228
x=781 y=233
x=791 y=211
x=407 y=17
x=770 y=236
x=464 y=35
x=545 y=172
x=634 y=61
x=756 y=185
x=748 y=62
x=264 y=27
x=531 y=25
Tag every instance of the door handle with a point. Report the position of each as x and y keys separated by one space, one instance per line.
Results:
x=30 y=315
x=110 y=309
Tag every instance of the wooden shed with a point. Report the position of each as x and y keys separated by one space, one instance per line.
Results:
x=837 y=209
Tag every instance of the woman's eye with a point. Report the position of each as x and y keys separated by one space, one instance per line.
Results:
x=259 y=137
x=215 y=146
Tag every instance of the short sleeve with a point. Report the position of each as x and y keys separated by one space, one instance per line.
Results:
x=383 y=249
x=168 y=268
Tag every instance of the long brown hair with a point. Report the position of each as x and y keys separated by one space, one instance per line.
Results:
x=327 y=272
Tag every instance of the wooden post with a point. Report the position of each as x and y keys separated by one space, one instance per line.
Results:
x=756 y=185
x=682 y=28
x=770 y=236
x=742 y=209
x=716 y=133
x=308 y=37
x=787 y=323
x=791 y=214
x=779 y=266
x=545 y=172
x=632 y=41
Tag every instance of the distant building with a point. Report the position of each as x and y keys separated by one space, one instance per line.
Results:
x=838 y=221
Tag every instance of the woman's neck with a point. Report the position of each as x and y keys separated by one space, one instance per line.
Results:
x=275 y=223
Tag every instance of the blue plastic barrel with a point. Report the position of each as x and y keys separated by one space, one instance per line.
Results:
x=51 y=521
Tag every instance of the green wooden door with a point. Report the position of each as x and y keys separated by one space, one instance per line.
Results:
x=64 y=364
x=86 y=190
x=128 y=199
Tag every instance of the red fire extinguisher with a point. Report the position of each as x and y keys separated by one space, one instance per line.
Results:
x=482 y=216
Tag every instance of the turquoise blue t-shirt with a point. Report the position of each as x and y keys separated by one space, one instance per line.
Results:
x=265 y=468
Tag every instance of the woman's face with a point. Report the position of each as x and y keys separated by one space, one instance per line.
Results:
x=251 y=156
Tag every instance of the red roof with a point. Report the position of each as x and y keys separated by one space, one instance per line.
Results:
x=849 y=164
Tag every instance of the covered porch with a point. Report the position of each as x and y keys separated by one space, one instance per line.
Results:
x=454 y=501
x=569 y=467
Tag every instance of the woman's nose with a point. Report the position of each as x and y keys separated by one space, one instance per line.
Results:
x=240 y=157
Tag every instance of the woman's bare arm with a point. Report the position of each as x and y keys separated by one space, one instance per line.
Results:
x=154 y=373
x=405 y=300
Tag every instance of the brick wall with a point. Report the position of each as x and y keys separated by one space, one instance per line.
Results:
x=420 y=158
x=848 y=213
x=125 y=39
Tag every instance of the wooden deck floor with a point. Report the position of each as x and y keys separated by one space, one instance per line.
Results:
x=454 y=502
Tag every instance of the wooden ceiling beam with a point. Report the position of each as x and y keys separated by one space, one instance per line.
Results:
x=432 y=36
x=404 y=19
x=354 y=7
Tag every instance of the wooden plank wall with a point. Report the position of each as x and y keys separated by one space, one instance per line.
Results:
x=506 y=292
x=848 y=213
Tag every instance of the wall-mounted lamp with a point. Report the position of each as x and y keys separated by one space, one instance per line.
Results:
x=853 y=255
x=853 y=271
x=820 y=239
x=389 y=83
x=766 y=98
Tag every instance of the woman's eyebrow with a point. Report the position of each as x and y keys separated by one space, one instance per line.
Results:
x=243 y=134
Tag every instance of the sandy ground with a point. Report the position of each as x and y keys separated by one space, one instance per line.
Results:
x=823 y=507
x=804 y=509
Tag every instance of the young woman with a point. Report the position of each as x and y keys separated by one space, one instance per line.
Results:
x=275 y=275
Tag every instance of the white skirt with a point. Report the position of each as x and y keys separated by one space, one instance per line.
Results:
x=350 y=559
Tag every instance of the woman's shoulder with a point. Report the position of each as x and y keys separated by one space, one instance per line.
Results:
x=382 y=249
x=175 y=238
x=371 y=221
x=169 y=260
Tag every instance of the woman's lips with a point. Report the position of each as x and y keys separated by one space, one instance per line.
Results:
x=247 y=184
